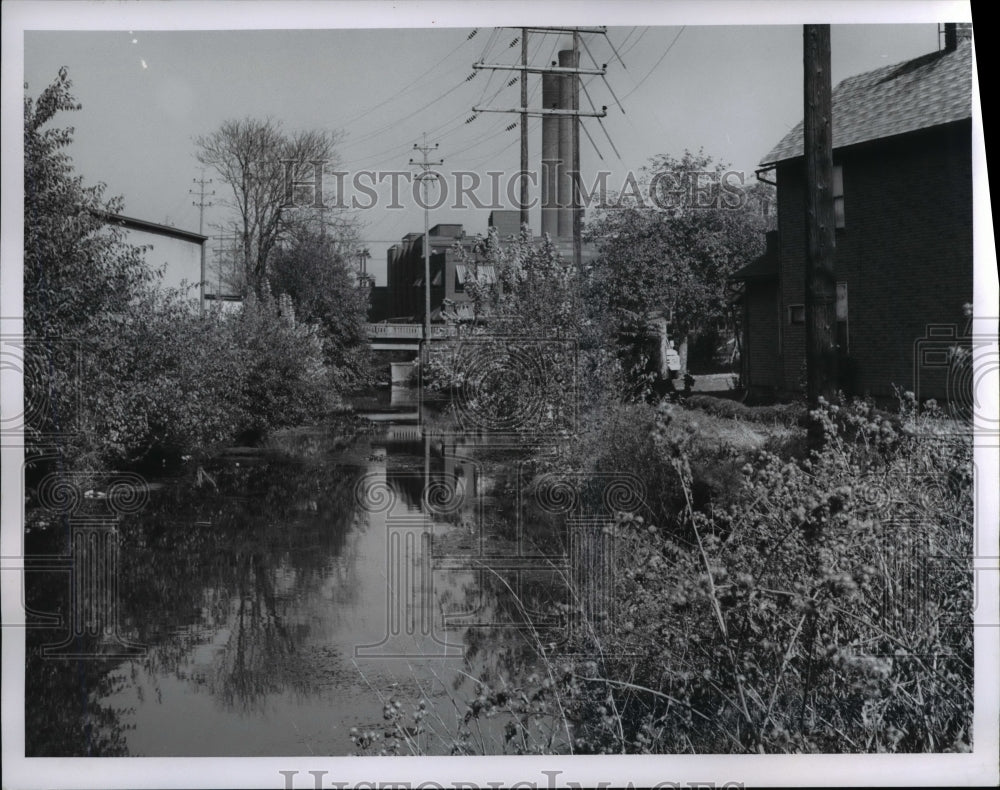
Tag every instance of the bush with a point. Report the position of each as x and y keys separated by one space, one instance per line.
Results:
x=829 y=609
x=131 y=373
x=173 y=382
x=805 y=617
x=286 y=381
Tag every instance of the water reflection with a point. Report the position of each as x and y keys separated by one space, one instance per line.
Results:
x=277 y=604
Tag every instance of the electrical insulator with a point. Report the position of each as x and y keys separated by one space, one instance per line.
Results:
x=514 y=42
x=512 y=126
x=472 y=34
x=471 y=76
x=512 y=81
x=471 y=118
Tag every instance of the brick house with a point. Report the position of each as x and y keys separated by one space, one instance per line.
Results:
x=902 y=153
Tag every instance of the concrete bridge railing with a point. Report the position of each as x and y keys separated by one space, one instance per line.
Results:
x=385 y=332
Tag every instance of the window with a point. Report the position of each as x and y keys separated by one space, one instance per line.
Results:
x=796 y=314
x=842 y=335
x=838 y=196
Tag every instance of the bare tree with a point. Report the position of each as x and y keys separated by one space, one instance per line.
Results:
x=269 y=173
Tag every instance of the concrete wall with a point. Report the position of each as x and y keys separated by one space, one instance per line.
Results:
x=179 y=258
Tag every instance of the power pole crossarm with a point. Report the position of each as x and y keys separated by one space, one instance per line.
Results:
x=529 y=111
x=539 y=69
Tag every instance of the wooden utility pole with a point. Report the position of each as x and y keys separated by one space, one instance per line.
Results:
x=202 y=205
x=426 y=172
x=821 y=283
x=575 y=175
x=524 y=126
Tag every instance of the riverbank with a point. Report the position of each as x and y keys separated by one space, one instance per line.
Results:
x=754 y=598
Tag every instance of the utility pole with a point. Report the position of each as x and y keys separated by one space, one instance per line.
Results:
x=821 y=284
x=201 y=204
x=575 y=176
x=426 y=173
x=568 y=113
x=524 y=126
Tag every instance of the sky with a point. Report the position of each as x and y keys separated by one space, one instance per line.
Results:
x=383 y=74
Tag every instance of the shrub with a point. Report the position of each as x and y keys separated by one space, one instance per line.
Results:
x=827 y=610
x=805 y=618
x=286 y=382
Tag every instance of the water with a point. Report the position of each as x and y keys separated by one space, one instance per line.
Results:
x=279 y=604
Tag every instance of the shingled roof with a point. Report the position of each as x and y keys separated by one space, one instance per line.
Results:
x=931 y=90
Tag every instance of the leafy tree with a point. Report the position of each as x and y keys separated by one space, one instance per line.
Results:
x=520 y=286
x=314 y=270
x=125 y=371
x=671 y=254
x=252 y=157
x=81 y=276
x=513 y=368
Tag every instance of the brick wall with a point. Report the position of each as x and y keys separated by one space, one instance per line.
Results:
x=905 y=253
x=762 y=334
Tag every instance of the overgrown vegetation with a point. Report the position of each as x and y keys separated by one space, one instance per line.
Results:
x=764 y=598
x=125 y=372
x=819 y=605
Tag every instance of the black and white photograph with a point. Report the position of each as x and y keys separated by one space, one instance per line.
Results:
x=469 y=395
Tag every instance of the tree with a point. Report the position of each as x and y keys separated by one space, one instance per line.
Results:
x=313 y=270
x=671 y=255
x=81 y=276
x=259 y=162
x=513 y=367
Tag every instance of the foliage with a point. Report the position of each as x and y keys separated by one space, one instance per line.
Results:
x=251 y=156
x=514 y=366
x=804 y=618
x=286 y=380
x=779 y=414
x=672 y=258
x=314 y=271
x=81 y=277
x=520 y=286
x=130 y=372
x=826 y=608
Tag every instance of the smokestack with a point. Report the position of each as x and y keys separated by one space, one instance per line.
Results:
x=551 y=164
x=568 y=58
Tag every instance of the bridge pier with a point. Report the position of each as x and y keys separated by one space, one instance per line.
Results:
x=403 y=337
x=402 y=372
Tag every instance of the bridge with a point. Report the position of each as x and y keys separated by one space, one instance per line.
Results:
x=405 y=337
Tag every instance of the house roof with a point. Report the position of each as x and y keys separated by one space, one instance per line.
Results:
x=763 y=268
x=931 y=90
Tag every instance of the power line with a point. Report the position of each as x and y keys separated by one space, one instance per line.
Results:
x=398 y=121
x=665 y=53
x=632 y=45
x=407 y=86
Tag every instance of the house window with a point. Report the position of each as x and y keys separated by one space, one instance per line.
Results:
x=796 y=314
x=842 y=334
x=838 y=196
